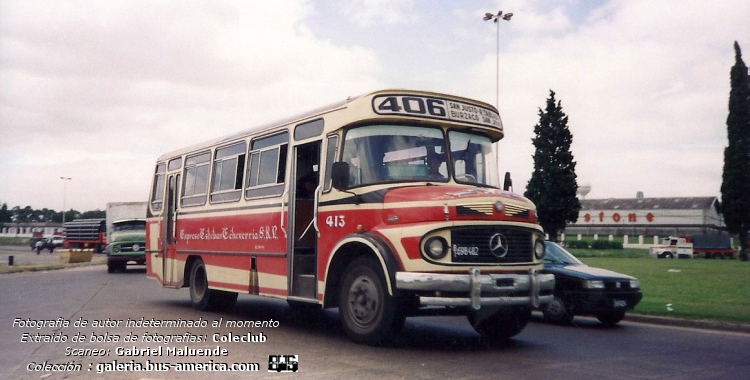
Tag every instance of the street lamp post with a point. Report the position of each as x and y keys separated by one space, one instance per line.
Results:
x=65 y=190
x=495 y=18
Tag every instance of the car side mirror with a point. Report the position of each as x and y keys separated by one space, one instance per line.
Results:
x=340 y=175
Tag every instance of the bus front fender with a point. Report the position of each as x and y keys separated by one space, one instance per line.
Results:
x=352 y=247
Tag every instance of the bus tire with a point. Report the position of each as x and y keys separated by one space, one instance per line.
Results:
x=199 y=291
x=368 y=312
x=205 y=299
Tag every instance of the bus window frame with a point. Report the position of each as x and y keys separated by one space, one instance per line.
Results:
x=183 y=183
x=309 y=129
x=157 y=192
x=267 y=190
x=228 y=195
x=177 y=161
x=487 y=171
x=331 y=156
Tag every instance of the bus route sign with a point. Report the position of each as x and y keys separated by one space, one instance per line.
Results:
x=430 y=107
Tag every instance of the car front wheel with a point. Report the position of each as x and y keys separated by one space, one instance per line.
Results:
x=556 y=311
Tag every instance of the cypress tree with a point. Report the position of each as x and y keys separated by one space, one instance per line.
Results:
x=735 y=186
x=553 y=184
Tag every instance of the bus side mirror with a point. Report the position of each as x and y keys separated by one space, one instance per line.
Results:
x=508 y=184
x=340 y=175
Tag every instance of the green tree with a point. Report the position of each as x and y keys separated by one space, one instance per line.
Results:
x=735 y=186
x=553 y=184
x=94 y=214
x=4 y=214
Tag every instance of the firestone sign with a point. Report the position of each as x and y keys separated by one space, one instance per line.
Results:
x=616 y=217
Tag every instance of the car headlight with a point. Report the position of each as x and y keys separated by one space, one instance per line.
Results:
x=136 y=247
x=634 y=284
x=593 y=284
x=436 y=247
x=539 y=249
x=116 y=248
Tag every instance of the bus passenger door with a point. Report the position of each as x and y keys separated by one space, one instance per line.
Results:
x=304 y=237
x=169 y=242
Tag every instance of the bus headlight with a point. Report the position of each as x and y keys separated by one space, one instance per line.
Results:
x=539 y=249
x=436 y=247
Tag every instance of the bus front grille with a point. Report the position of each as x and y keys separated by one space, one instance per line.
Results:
x=492 y=244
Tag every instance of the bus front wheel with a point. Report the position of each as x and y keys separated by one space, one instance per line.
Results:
x=368 y=312
x=502 y=325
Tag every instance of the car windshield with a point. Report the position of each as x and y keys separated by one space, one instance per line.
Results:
x=133 y=225
x=403 y=153
x=554 y=254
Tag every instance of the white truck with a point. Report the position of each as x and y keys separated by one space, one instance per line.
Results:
x=126 y=234
x=690 y=246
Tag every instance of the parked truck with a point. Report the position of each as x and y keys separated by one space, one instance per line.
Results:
x=126 y=231
x=690 y=246
x=85 y=234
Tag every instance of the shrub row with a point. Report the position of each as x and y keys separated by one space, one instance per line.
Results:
x=596 y=244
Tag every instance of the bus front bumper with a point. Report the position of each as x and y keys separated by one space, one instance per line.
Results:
x=476 y=289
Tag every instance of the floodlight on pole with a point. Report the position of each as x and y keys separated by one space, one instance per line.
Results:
x=495 y=18
x=65 y=190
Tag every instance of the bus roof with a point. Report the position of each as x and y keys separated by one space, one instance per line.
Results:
x=312 y=113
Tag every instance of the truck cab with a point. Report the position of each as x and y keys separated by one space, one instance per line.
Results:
x=672 y=247
x=126 y=244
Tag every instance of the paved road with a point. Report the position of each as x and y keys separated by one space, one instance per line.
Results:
x=434 y=347
x=26 y=255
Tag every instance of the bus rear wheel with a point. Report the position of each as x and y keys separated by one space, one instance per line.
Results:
x=203 y=298
x=368 y=312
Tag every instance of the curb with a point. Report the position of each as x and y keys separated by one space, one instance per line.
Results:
x=690 y=323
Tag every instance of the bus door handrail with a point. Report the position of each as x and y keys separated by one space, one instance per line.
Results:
x=316 y=200
x=281 y=222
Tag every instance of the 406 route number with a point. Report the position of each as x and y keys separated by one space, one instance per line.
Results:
x=412 y=105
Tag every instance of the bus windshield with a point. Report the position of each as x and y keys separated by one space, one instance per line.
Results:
x=405 y=153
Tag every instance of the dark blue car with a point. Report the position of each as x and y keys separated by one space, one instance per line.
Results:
x=583 y=290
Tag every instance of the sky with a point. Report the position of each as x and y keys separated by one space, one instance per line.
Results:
x=96 y=91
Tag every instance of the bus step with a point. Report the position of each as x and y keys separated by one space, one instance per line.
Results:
x=304 y=285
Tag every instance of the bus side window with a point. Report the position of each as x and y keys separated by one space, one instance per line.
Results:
x=157 y=196
x=229 y=169
x=267 y=166
x=196 y=179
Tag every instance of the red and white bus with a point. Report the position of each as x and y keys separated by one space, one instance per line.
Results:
x=385 y=205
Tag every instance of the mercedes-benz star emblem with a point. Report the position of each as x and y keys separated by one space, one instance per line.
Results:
x=499 y=245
